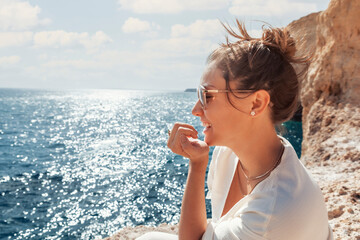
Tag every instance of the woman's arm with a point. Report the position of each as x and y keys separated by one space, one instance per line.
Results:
x=193 y=210
x=183 y=141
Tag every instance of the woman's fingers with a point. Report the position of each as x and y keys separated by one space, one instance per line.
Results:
x=183 y=125
x=194 y=148
x=187 y=132
x=180 y=130
x=175 y=136
x=183 y=140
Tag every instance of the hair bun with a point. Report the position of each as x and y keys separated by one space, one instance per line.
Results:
x=276 y=39
x=279 y=38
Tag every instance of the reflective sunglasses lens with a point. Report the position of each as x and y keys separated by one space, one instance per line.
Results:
x=201 y=96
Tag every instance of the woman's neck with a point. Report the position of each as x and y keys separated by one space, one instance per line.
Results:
x=259 y=151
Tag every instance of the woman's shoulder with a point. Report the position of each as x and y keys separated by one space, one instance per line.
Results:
x=287 y=199
x=290 y=198
x=291 y=181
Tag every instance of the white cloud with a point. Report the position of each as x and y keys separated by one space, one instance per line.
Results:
x=43 y=56
x=102 y=60
x=270 y=7
x=17 y=15
x=206 y=29
x=56 y=39
x=11 y=39
x=96 y=40
x=134 y=25
x=198 y=29
x=177 y=47
x=9 y=60
x=194 y=40
x=171 y=6
x=79 y=64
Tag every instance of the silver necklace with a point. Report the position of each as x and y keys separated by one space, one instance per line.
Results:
x=248 y=179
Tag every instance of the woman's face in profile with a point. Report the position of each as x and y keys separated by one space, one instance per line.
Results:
x=221 y=120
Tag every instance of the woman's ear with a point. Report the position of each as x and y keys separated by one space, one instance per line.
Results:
x=260 y=102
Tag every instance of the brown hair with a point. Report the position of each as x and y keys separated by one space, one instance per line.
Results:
x=262 y=63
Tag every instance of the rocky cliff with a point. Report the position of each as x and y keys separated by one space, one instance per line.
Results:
x=330 y=93
x=330 y=96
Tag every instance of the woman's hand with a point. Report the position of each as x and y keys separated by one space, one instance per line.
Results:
x=183 y=140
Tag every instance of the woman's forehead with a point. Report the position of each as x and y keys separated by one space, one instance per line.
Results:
x=213 y=78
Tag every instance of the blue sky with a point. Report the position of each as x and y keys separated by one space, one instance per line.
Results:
x=124 y=44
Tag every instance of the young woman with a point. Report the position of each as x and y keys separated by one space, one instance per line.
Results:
x=258 y=187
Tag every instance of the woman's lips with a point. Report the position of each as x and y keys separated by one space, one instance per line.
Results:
x=207 y=126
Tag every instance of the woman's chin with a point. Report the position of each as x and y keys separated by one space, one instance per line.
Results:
x=207 y=136
x=208 y=141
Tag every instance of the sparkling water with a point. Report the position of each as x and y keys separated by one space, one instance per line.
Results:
x=82 y=164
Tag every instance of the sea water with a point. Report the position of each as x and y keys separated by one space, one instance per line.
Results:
x=82 y=164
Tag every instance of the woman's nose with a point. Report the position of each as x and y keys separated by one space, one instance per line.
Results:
x=197 y=109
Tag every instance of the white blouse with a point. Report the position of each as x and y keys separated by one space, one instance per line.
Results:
x=288 y=204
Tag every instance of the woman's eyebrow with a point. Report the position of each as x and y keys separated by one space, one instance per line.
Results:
x=208 y=85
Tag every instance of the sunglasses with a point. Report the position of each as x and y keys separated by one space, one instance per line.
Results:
x=202 y=91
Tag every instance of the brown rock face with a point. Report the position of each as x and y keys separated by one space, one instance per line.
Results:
x=131 y=233
x=330 y=95
x=330 y=92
